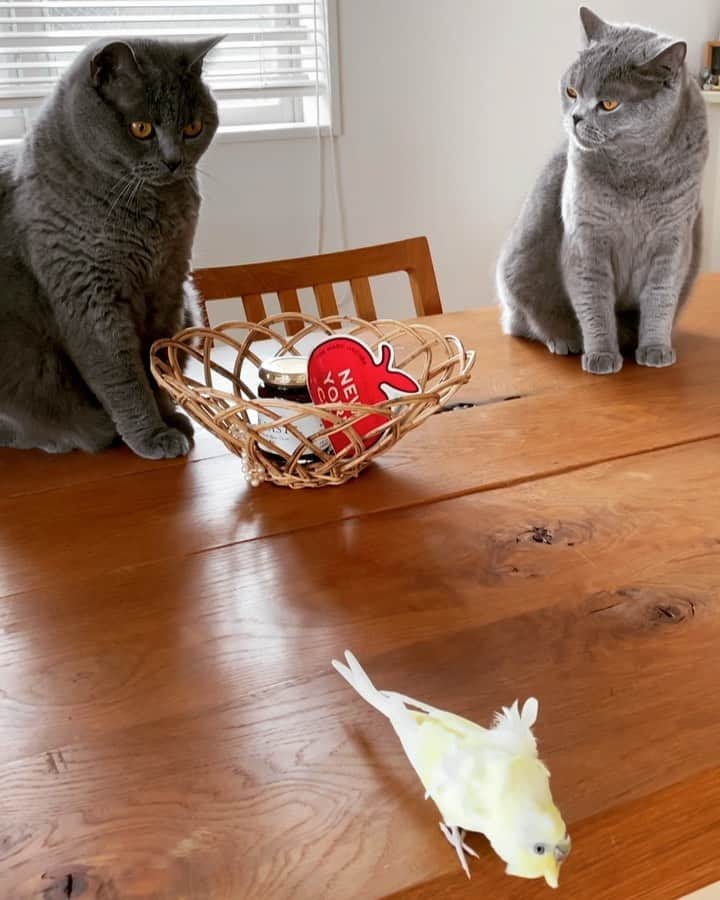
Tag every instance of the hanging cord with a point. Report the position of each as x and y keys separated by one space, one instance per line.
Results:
x=337 y=187
x=345 y=301
x=318 y=133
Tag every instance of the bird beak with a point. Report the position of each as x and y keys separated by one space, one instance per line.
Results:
x=549 y=865
x=562 y=850
x=560 y=854
x=552 y=873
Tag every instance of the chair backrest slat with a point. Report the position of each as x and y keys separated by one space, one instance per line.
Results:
x=325 y=299
x=290 y=302
x=362 y=295
x=254 y=307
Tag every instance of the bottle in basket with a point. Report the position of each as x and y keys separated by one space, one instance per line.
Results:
x=285 y=378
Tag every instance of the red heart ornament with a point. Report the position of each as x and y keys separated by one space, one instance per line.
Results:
x=344 y=370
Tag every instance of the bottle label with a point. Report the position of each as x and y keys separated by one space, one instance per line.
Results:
x=283 y=438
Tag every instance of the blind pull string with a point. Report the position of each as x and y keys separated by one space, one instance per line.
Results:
x=345 y=301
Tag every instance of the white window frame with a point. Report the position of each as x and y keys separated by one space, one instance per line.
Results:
x=327 y=103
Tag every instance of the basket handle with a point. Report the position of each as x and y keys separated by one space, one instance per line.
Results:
x=467 y=355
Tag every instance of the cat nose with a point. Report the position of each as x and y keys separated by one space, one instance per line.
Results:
x=172 y=164
x=576 y=118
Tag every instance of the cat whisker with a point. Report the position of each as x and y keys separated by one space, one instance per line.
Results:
x=127 y=183
x=113 y=223
x=131 y=207
x=207 y=174
x=138 y=194
x=124 y=199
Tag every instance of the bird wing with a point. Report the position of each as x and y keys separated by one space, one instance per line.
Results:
x=465 y=767
x=453 y=766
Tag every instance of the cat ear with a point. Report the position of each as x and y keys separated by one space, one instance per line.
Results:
x=595 y=28
x=114 y=59
x=665 y=66
x=196 y=52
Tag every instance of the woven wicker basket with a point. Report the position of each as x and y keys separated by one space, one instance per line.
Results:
x=212 y=375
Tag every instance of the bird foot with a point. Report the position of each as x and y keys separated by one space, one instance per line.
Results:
x=456 y=837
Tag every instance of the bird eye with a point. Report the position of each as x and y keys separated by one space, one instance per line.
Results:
x=141 y=130
x=610 y=105
x=539 y=849
x=193 y=129
x=571 y=92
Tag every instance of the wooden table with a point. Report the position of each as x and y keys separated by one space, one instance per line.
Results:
x=170 y=726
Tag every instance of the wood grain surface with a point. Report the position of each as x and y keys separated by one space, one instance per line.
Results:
x=171 y=727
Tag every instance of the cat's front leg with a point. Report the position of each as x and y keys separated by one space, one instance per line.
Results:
x=171 y=415
x=658 y=307
x=591 y=286
x=101 y=338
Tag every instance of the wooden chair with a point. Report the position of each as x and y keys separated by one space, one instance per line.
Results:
x=285 y=277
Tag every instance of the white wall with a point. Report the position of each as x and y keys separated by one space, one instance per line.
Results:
x=449 y=109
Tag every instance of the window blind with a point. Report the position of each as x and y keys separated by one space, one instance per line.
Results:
x=272 y=51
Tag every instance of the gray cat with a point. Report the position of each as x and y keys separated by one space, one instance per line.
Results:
x=98 y=210
x=608 y=243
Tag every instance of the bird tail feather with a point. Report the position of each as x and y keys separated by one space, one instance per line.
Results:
x=389 y=704
x=358 y=679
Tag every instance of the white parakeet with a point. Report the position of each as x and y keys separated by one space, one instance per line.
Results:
x=488 y=780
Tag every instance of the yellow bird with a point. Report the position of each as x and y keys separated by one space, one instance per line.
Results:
x=488 y=780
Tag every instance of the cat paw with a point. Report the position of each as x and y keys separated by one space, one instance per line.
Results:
x=181 y=422
x=57 y=447
x=564 y=348
x=602 y=363
x=656 y=355
x=164 y=443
